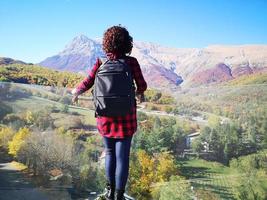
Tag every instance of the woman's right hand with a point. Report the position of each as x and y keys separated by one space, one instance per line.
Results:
x=75 y=96
x=75 y=99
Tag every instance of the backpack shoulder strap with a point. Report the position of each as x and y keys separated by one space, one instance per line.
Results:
x=103 y=60
x=123 y=61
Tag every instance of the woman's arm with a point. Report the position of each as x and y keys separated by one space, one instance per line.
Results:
x=139 y=80
x=87 y=83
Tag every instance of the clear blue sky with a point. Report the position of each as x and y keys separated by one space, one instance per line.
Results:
x=32 y=30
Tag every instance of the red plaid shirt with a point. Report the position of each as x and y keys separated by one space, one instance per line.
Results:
x=117 y=127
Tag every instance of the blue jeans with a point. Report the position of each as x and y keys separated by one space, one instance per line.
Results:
x=117 y=160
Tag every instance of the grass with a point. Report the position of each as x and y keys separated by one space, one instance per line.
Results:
x=211 y=177
x=37 y=104
x=21 y=103
x=212 y=180
x=258 y=78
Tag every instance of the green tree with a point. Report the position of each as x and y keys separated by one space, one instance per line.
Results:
x=252 y=176
x=250 y=187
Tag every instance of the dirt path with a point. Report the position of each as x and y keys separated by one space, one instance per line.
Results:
x=142 y=108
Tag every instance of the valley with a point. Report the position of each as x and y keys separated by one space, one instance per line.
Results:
x=47 y=111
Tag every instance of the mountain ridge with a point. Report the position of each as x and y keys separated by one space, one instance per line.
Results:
x=168 y=66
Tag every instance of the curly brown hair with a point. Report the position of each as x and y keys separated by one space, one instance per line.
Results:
x=117 y=40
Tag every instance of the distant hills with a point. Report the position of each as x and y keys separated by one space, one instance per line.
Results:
x=7 y=61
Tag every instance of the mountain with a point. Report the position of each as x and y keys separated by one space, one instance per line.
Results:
x=7 y=61
x=79 y=55
x=205 y=65
x=165 y=67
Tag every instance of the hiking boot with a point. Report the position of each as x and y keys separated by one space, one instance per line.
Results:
x=127 y=197
x=108 y=193
x=119 y=195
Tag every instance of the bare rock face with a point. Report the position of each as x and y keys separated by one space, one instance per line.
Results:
x=161 y=78
x=242 y=70
x=170 y=67
x=219 y=73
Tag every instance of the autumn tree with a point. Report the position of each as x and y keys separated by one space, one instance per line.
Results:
x=141 y=175
x=165 y=166
x=146 y=171
x=17 y=141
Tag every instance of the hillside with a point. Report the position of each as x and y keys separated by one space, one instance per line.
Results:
x=258 y=78
x=7 y=61
x=34 y=74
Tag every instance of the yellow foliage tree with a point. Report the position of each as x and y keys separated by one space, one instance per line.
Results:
x=142 y=175
x=146 y=171
x=165 y=167
x=17 y=141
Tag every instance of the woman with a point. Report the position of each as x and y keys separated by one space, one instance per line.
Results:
x=117 y=131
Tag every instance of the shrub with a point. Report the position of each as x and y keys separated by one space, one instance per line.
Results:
x=166 y=100
x=6 y=135
x=168 y=109
x=176 y=189
x=64 y=108
x=47 y=151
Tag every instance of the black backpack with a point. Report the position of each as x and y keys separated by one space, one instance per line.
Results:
x=114 y=92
